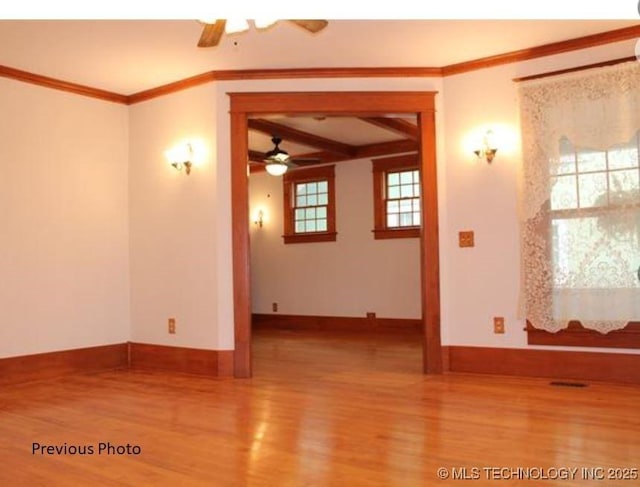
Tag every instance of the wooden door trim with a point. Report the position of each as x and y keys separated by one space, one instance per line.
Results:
x=333 y=103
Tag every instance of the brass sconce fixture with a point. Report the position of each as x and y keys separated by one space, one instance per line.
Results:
x=181 y=156
x=488 y=149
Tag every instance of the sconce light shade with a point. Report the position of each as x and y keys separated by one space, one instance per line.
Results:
x=488 y=149
x=488 y=154
x=181 y=156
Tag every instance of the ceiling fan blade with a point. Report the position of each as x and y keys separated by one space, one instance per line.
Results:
x=311 y=25
x=299 y=165
x=211 y=34
x=309 y=161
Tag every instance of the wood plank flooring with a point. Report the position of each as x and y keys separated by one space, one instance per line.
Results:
x=339 y=410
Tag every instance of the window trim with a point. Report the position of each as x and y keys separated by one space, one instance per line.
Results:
x=380 y=168
x=576 y=335
x=304 y=175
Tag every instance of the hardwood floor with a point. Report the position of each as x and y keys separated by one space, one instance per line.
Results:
x=320 y=411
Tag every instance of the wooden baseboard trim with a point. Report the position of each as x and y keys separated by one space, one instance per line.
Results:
x=585 y=366
x=26 y=368
x=213 y=363
x=335 y=323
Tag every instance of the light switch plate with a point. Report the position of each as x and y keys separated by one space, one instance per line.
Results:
x=465 y=239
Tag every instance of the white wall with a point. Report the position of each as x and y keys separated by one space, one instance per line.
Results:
x=349 y=277
x=173 y=222
x=483 y=282
x=64 y=221
x=479 y=283
x=65 y=203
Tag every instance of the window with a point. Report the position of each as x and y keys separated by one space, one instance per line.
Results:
x=595 y=212
x=309 y=205
x=581 y=208
x=396 y=197
x=594 y=215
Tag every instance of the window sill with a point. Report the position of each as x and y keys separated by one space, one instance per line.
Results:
x=396 y=233
x=578 y=336
x=310 y=237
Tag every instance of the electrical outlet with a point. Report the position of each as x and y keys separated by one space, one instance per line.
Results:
x=274 y=307
x=498 y=325
x=371 y=315
x=172 y=326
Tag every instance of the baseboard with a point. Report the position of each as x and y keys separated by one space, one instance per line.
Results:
x=25 y=368
x=335 y=323
x=556 y=364
x=213 y=363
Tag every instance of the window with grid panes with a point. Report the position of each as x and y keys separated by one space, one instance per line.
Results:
x=403 y=199
x=580 y=218
x=592 y=192
x=311 y=202
x=309 y=205
x=396 y=193
x=594 y=220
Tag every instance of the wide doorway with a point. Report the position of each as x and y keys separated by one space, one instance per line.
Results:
x=245 y=105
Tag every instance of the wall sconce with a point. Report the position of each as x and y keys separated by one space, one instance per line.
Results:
x=259 y=218
x=181 y=156
x=488 y=149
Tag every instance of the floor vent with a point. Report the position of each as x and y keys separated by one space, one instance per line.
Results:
x=567 y=384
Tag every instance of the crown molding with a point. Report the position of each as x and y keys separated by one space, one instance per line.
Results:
x=578 y=43
x=56 y=84
x=289 y=73
x=611 y=62
x=593 y=40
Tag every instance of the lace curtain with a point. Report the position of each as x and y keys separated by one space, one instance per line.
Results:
x=580 y=198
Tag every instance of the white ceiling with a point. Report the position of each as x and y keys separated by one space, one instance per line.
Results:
x=129 y=56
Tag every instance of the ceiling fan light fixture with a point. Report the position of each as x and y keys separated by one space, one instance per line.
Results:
x=276 y=154
x=276 y=168
x=235 y=26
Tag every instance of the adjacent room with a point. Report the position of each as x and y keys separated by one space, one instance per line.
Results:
x=320 y=252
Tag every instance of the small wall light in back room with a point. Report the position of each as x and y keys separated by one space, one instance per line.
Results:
x=259 y=219
x=488 y=148
x=181 y=156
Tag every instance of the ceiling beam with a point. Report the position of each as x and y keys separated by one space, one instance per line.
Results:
x=298 y=136
x=362 y=151
x=387 y=148
x=395 y=125
x=323 y=157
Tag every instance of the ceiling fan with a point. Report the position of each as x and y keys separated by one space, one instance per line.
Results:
x=278 y=161
x=212 y=31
